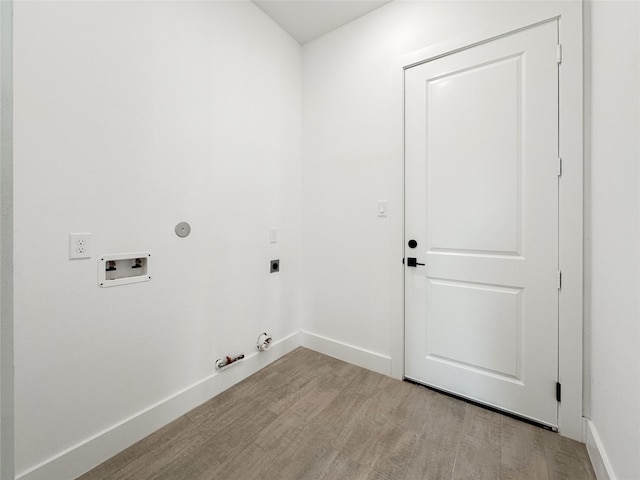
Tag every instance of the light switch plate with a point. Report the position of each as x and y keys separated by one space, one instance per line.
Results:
x=273 y=235
x=79 y=245
x=382 y=208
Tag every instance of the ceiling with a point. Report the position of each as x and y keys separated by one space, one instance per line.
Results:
x=306 y=20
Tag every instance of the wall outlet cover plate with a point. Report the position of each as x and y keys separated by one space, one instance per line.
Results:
x=79 y=245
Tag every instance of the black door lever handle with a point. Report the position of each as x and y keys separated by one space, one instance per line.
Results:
x=413 y=262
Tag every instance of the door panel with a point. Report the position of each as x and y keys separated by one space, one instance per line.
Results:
x=481 y=200
x=486 y=217
x=497 y=315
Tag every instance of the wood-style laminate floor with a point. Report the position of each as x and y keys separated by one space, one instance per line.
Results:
x=309 y=416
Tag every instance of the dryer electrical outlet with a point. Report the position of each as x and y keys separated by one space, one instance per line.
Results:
x=274 y=266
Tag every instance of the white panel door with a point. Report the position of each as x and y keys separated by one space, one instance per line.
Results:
x=481 y=205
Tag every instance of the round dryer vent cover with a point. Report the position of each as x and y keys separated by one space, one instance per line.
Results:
x=183 y=229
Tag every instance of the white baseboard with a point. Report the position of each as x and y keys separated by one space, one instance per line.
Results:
x=83 y=457
x=348 y=353
x=597 y=454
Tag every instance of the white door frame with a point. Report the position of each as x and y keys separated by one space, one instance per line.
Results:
x=570 y=361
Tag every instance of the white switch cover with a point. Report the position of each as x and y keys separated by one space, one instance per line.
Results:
x=382 y=208
x=79 y=245
x=273 y=235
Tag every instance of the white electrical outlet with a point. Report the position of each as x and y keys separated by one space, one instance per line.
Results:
x=79 y=245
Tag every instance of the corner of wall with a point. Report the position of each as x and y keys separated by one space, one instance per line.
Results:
x=347 y=353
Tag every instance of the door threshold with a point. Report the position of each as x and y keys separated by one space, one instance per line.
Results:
x=484 y=405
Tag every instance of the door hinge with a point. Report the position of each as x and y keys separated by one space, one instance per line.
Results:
x=559 y=166
x=558 y=392
x=559 y=279
x=559 y=53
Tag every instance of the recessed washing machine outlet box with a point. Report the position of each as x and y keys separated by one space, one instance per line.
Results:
x=123 y=268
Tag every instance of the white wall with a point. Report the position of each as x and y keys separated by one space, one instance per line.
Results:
x=615 y=234
x=351 y=134
x=350 y=160
x=352 y=157
x=132 y=117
